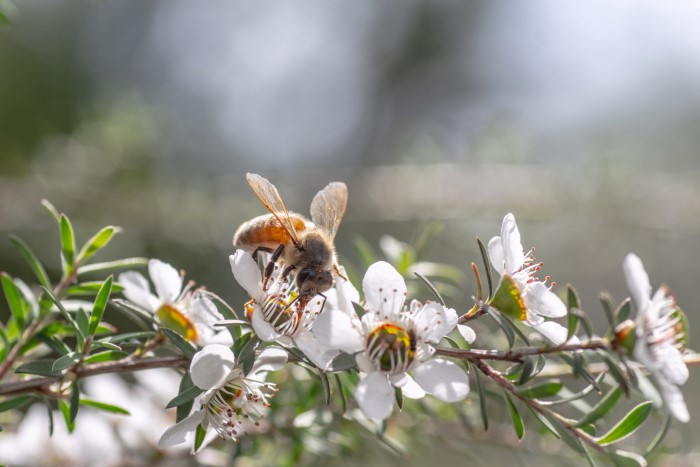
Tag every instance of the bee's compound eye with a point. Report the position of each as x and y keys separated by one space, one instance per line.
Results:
x=304 y=275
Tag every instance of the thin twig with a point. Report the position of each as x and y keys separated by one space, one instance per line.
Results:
x=517 y=355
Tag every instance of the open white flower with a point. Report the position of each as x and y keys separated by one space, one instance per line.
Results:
x=275 y=312
x=189 y=312
x=232 y=402
x=517 y=268
x=660 y=335
x=390 y=341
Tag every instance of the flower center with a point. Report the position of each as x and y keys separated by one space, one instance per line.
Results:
x=391 y=347
x=236 y=408
x=172 y=318
x=282 y=312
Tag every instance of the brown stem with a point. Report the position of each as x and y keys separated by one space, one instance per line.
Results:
x=119 y=366
x=517 y=355
x=508 y=386
x=477 y=354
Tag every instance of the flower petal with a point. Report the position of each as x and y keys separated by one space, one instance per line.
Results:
x=211 y=366
x=375 y=395
x=555 y=332
x=443 y=379
x=513 y=255
x=467 y=333
x=411 y=389
x=336 y=330
x=203 y=311
x=137 y=290
x=637 y=281
x=673 y=397
x=262 y=328
x=181 y=432
x=672 y=364
x=496 y=255
x=542 y=301
x=167 y=280
x=385 y=289
x=270 y=359
x=434 y=321
x=319 y=354
x=247 y=274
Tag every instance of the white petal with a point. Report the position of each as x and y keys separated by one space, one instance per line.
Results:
x=247 y=274
x=364 y=363
x=211 y=366
x=434 y=321
x=270 y=359
x=411 y=389
x=207 y=336
x=385 y=289
x=542 y=301
x=443 y=379
x=319 y=354
x=181 y=432
x=467 y=333
x=637 y=281
x=513 y=255
x=674 y=400
x=555 y=332
x=167 y=280
x=137 y=290
x=496 y=255
x=335 y=329
x=672 y=365
x=203 y=311
x=346 y=293
x=375 y=395
x=262 y=328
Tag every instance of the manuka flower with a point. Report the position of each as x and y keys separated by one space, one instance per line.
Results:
x=660 y=335
x=520 y=294
x=189 y=312
x=390 y=341
x=275 y=312
x=232 y=402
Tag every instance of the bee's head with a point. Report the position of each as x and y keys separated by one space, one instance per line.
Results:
x=312 y=282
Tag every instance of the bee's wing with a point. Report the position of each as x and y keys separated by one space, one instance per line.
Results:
x=269 y=196
x=328 y=207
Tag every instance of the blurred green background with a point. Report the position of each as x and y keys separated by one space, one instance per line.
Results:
x=581 y=119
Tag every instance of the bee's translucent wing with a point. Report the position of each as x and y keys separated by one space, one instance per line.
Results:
x=269 y=196
x=328 y=207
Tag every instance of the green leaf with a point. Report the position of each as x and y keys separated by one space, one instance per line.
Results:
x=127 y=336
x=502 y=323
x=180 y=342
x=627 y=425
x=579 y=395
x=572 y=297
x=107 y=356
x=487 y=264
x=74 y=401
x=615 y=371
x=546 y=389
x=106 y=345
x=67 y=245
x=14 y=299
x=518 y=425
x=603 y=406
x=32 y=260
x=132 y=311
x=326 y=386
x=38 y=367
x=656 y=442
x=607 y=302
x=90 y=288
x=628 y=459
x=52 y=210
x=83 y=321
x=343 y=362
x=100 y=303
x=545 y=422
x=583 y=319
x=184 y=409
x=49 y=413
x=199 y=437
x=67 y=316
x=66 y=361
x=109 y=265
x=431 y=287
x=623 y=311
x=97 y=242
x=65 y=410
x=482 y=400
x=104 y=406
x=185 y=396
x=14 y=403
x=246 y=357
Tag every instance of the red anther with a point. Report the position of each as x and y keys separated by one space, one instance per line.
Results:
x=554 y=284
x=547 y=278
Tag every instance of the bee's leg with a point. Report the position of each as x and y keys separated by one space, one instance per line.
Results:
x=337 y=271
x=260 y=248
x=323 y=304
x=270 y=267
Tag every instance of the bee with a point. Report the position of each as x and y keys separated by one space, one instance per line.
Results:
x=302 y=245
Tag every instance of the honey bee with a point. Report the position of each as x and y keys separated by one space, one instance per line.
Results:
x=303 y=245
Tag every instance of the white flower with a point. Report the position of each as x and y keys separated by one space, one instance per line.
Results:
x=660 y=336
x=389 y=341
x=275 y=313
x=233 y=402
x=537 y=299
x=188 y=312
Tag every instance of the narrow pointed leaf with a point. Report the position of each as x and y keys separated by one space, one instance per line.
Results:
x=431 y=287
x=607 y=303
x=199 y=435
x=104 y=406
x=628 y=459
x=109 y=265
x=65 y=410
x=501 y=321
x=97 y=242
x=326 y=386
x=14 y=403
x=246 y=357
x=100 y=303
x=180 y=342
x=547 y=389
x=52 y=210
x=482 y=400
x=623 y=311
x=90 y=288
x=38 y=367
x=106 y=356
x=518 y=425
x=185 y=396
x=67 y=316
x=184 y=409
x=74 y=402
x=32 y=260
x=67 y=245
x=602 y=408
x=659 y=436
x=627 y=425
x=66 y=361
x=487 y=264
x=14 y=299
